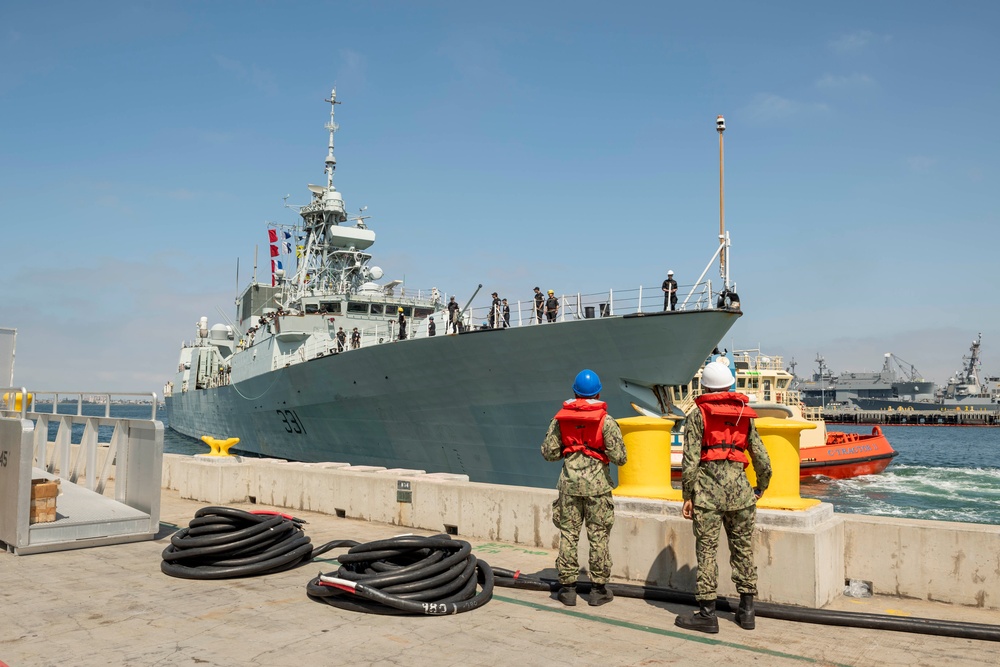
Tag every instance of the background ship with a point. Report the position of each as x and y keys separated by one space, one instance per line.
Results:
x=898 y=383
x=965 y=390
x=476 y=402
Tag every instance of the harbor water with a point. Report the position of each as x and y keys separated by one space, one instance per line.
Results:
x=944 y=473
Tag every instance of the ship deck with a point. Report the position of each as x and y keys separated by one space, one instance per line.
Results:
x=112 y=606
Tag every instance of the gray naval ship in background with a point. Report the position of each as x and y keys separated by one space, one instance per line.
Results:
x=477 y=402
x=887 y=389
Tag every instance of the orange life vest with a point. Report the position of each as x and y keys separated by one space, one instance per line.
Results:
x=581 y=426
x=727 y=426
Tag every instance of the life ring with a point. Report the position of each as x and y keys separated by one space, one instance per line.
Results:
x=876 y=430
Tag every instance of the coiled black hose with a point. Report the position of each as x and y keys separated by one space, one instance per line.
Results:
x=407 y=575
x=850 y=619
x=224 y=543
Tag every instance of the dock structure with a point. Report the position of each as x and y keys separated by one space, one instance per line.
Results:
x=942 y=417
x=112 y=606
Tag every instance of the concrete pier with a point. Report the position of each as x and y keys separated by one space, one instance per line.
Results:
x=978 y=417
x=111 y=606
x=803 y=557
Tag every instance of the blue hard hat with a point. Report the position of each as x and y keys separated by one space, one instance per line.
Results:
x=587 y=383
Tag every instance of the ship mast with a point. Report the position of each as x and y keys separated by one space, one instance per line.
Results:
x=331 y=161
x=720 y=125
x=972 y=367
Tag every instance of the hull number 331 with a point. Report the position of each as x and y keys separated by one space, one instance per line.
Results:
x=291 y=421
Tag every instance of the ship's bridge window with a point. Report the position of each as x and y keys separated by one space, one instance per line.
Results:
x=329 y=306
x=355 y=307
x=741 y=383
x=312 y=308
x=378 y=309
x=782 y=384
x=752 y=383
x=421 y=313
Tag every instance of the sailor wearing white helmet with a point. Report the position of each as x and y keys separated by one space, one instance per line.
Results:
x=670 y=292
x=718 y=436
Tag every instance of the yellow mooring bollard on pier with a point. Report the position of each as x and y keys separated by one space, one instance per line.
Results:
x=647 y=472
x=219 y=447
x=16 y=398
x=781 y=439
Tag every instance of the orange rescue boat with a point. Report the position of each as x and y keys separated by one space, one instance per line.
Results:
x=847 y=455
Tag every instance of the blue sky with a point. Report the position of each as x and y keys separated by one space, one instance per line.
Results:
x=144 y=145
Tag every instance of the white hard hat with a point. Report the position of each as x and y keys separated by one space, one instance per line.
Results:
x=716 y=375
x=670 y=272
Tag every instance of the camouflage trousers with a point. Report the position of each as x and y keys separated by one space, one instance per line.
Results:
x=569 y=513
x=739 y=525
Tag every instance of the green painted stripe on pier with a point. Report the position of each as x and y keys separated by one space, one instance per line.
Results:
x=700 y=639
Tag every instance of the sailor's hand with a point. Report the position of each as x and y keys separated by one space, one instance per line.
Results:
x=687 y=511
x=757 y=493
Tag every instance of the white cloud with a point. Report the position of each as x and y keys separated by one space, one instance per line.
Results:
x=857 y=41
x=845 y=81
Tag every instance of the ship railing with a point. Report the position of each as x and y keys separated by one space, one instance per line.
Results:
x=581 y=306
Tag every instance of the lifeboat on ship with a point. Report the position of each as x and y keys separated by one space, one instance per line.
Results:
x=764 y=379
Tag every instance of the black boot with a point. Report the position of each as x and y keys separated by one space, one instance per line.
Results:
x=599 y=594
x=745 y=613
x=703 y=620
x=567 y=595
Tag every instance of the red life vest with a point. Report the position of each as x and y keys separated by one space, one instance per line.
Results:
x=581 y=426
x=727 y=426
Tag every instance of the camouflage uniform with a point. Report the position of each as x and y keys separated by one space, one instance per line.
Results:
x=584 y=497
x=722 y=497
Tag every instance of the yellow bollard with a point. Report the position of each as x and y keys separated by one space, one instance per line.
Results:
x=219 y=447
x=17 y=400
x=781 y=440
x=647 y=472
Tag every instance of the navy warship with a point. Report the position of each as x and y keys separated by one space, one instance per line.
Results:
x=325 y=363
x=966 y=389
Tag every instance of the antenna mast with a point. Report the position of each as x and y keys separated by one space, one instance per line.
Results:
x=331 y=162
x=720 y=125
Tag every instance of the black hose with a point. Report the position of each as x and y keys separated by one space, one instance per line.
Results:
x=926 y=626
x=438 y=575
x=224 y=543
x=407 y=575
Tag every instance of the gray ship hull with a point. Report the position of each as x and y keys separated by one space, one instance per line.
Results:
x=478 y=403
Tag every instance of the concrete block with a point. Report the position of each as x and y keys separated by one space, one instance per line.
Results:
x=401 y=472
x=932 y=560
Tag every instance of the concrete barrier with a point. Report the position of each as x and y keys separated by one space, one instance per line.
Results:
x=803 y=557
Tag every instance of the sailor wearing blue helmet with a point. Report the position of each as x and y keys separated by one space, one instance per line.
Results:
x=587 y=440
